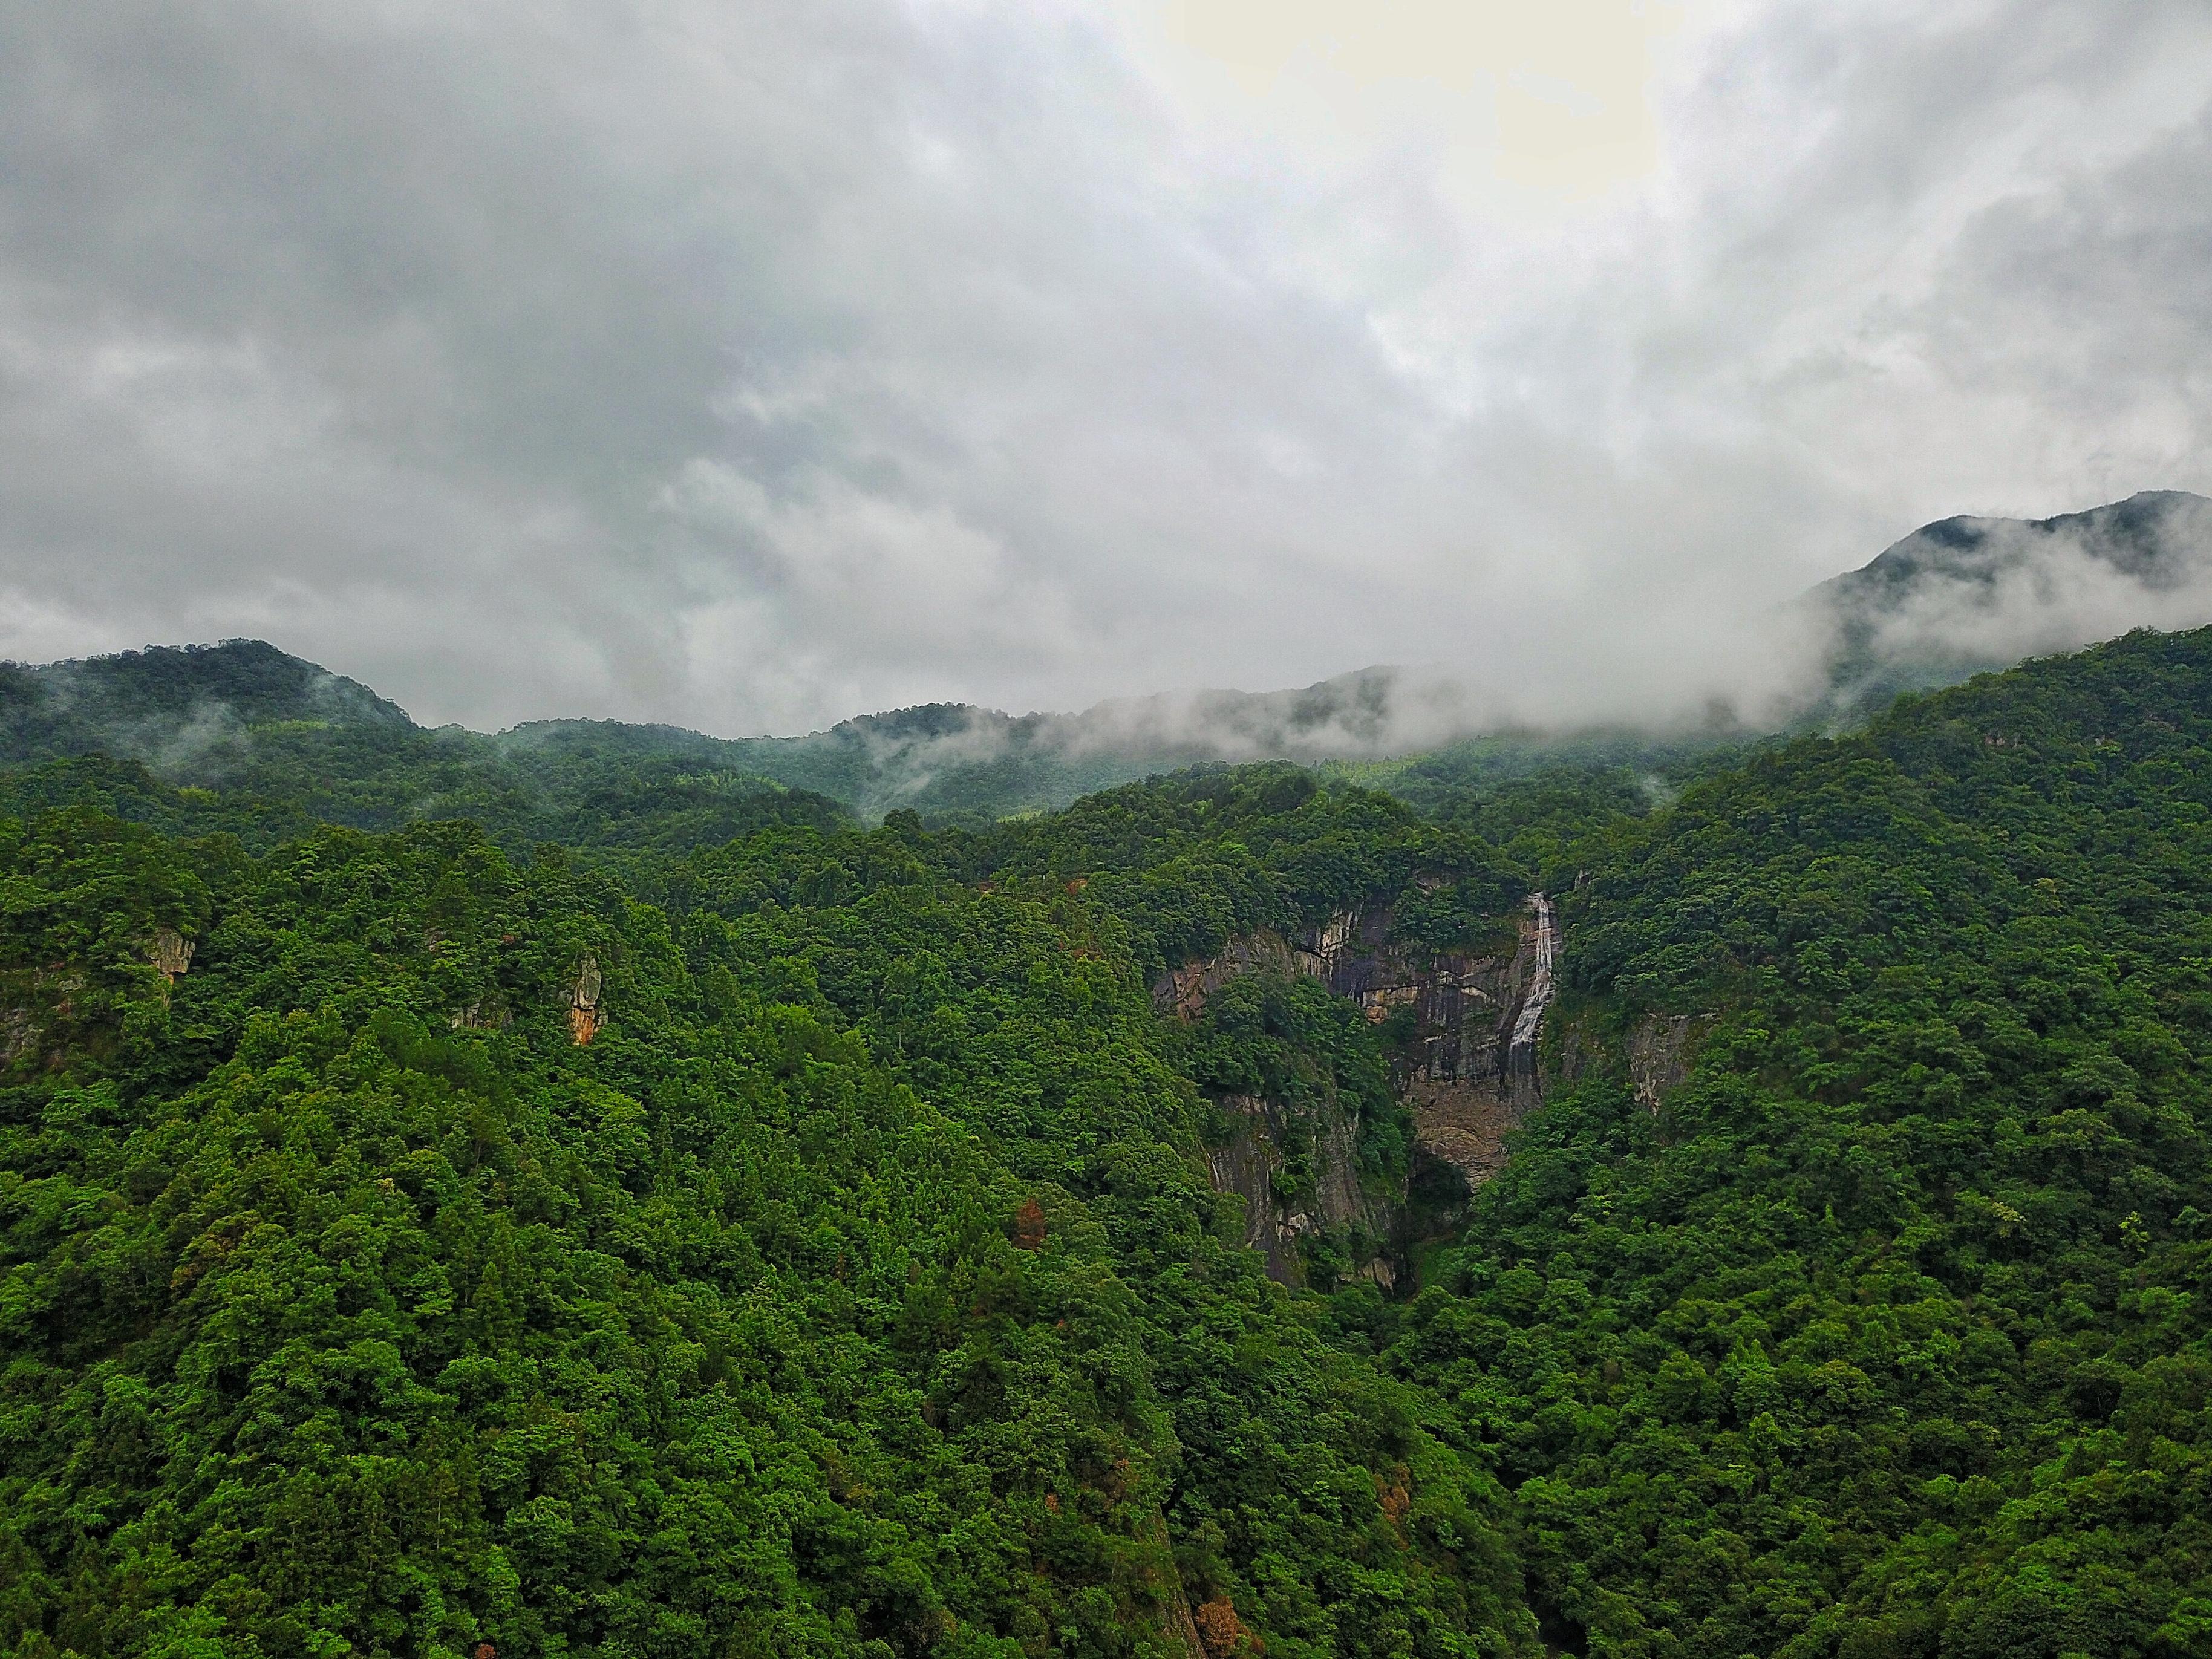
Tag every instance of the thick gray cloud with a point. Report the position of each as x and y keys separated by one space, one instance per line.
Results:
x=751 y=366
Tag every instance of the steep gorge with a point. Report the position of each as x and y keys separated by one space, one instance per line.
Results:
x=1467 y=1070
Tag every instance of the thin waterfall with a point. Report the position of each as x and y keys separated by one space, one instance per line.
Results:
x=1520 y=1078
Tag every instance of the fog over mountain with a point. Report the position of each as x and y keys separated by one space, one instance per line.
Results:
x=1966 y=594
x=1954 y=598
x=747 y=367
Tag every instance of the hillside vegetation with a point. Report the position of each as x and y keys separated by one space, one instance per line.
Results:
x=1887 y=1334
x=761 y=1235
x=287 y=745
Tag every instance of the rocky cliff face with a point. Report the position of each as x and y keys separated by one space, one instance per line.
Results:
x=1249 y=1164
x=1470 y=1074
x=1659 y=1056
x=1184 y=991
x=1653 y=1057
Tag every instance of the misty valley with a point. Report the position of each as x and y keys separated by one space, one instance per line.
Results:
x=1331 y=1174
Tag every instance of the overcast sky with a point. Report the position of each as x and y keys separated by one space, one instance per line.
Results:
x=750 y=363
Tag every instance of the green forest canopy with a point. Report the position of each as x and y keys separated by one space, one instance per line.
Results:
x=858 y=1287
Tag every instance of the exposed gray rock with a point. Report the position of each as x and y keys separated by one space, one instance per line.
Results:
x=584 y=1019
x=1473 y=1074
x=484 y=1014
x=171 y=953
x=1182 y=991
x=1658 y=1056
x=1248 y=1162
x=19 y=1034
x=1478 y=1018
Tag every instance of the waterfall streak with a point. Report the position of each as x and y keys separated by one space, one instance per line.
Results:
x=1539 y=983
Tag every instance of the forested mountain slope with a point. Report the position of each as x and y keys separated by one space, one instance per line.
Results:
x=243 y=739
x=265 y=745
x=804 y=1241
x=291 y=744
x=1887 y=1333
x=855 y=1286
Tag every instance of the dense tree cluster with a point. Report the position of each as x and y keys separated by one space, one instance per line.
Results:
x=855 y=1285
x=855 y=1289
x=1886 y=1334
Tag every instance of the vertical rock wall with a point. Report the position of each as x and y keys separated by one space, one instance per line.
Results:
x=1472 y=1074
x=1249 y=1161
x=1659 y=1056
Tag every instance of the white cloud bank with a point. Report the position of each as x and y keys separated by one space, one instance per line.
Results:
x=753 y=366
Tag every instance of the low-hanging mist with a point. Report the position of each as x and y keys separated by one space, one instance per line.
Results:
x=1954 y=598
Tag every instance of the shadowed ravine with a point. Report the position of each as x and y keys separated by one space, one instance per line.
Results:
x=1469 y=1075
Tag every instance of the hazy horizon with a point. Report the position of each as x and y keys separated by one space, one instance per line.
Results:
x=1983 y=593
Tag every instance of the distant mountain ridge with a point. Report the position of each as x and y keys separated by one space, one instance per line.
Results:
x=1965 y=595
x=2131 y=535
x=225 y=715
x=142 y=702
x=960 y=757
x=1953 y=598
